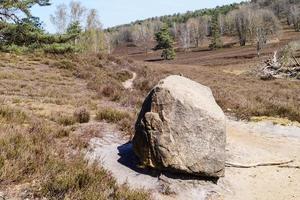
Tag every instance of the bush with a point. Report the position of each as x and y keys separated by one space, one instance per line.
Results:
x=112 y=91
x=14 y=49
x=168 y=54
x=32 y=155
x=124 y=75
x=64 y=64
x=12 y=115
x=57 y=48
x=62 y=132
x=126 y=125
x=82 y=115
x=111 y=115
x=64 y=120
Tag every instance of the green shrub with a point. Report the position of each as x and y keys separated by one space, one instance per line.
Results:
x=14 y=49
x=58 y=48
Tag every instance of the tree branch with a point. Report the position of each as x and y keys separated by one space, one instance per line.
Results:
x=237 y=165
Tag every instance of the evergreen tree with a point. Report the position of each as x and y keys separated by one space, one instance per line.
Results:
x=215 y=32
x=165 y=42
x=9 y=9
x=20 y=31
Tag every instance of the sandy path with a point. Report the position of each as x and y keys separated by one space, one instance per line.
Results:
x=129 y=83
x=260 y=143
x=248 y=143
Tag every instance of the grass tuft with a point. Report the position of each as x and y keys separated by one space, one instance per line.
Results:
x=11 y=115
x=111 y=115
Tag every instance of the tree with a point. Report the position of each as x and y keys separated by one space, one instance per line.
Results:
x=266 y=25
x=77 y=11
x=215 y=32
x=254 y=24
x=165 y=42
x=60 y=18
x=74 y=29
x=144 y=34
x=295 y=17
x=11 y=10
x=242 y=18
x=93 y=38
x=64 y=16
x=19 y=29
x=198 y=29
x=184 y=36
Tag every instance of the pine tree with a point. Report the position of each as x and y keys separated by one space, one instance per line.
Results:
x=215 y=32
x=165 y=42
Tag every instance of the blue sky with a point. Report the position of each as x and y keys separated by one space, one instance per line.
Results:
x=116 y=12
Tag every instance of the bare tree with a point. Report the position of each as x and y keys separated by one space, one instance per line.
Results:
x=77 y=11
x=222 y=24
x=184 y=36
x=60 y=18
x=145 y=34
x=94 y=36
x=242 y=19
x=294 y=17
x=266 y=25
x=198 y=30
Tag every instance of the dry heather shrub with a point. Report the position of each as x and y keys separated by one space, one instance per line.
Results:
x=123 y=75
x=24 y=157
x=63 y=119
x=126 y=125
x=111 y=115
x=82 y=115
x=11 y=115
x=147 y=79
x=76 y=180
x=64 y=64
x=23 y=151
x=108 y=90
x=62 y=132
x=111 y=91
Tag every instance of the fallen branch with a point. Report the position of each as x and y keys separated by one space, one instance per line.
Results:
x=290 y=166
x=296 y=61
x=237 y=165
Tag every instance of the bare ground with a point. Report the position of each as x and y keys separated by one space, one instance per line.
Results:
x=248 y=144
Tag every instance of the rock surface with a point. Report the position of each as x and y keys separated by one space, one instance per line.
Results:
x=181 y=129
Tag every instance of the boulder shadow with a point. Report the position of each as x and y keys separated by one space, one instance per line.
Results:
x=189 y=177
x=130 y=160
x=154 y=60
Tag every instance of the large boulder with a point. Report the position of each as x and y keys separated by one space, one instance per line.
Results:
x=181 y=129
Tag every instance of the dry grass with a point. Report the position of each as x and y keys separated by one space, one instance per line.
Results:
x=45 y=154
x=111 y=115
x=24 y=157
x=9 y=115
x=243 y=95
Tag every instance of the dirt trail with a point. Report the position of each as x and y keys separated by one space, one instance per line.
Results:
x=129 y=83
